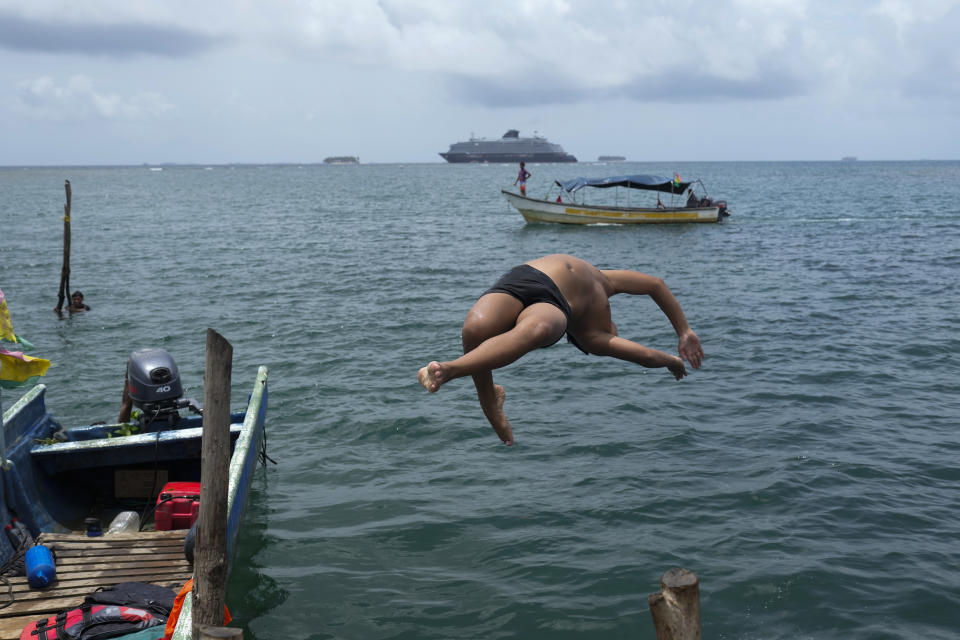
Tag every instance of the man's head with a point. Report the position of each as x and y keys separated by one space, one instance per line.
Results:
x=77 y=297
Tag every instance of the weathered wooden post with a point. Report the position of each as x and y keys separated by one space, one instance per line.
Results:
x=210 y=555
x=676 y=607
x=65 y=270
x=219 y=633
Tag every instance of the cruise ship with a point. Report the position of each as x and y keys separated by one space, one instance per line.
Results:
x=510 y=148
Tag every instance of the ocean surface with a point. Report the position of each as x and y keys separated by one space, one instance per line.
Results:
x=808 y=474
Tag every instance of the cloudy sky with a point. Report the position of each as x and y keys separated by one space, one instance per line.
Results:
x=221 y=81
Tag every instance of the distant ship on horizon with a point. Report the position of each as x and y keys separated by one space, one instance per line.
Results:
x=848 y=159
x=510 y=148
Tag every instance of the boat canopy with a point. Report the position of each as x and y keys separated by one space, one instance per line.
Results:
x=639 y=181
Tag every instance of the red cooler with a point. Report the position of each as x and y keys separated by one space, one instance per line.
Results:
x=177 y=506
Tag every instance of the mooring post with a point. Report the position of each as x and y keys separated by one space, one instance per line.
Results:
x=219 y=633
x=210 y=555
x=65 y=270
x=676 y=607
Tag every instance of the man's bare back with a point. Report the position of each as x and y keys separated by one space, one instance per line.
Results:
x=582 y=284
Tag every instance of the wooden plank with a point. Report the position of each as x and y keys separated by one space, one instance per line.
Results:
x=124 y=544
x=120 y=549
x=173 y=581
x=101 y=571
x=141 y=536
x=119 y=546
x=106 y=570
x=91 y=584
x=155 y=560
x=66 y=556
x=159 y=560
x=117 y=553
x=72 y=561
x=131 y=558
x=87 y=564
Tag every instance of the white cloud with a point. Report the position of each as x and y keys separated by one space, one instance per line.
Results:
x=77 y=99
x=283 y=79
x=562 y=47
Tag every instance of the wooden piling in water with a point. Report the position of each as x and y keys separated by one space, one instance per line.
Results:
x=676 y=607
x=219 y=633
x=65 y=269
x=210 y=556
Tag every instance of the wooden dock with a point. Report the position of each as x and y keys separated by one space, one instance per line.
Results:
x=85 y=564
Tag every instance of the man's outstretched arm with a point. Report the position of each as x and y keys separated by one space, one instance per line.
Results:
x=601 y=343
x=636 y=283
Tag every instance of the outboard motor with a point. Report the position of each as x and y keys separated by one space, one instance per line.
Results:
x=154 y=385
x=722 y=204
x=723 y=208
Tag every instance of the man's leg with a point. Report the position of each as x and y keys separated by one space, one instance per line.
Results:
x=489 y=346
x=490 y=343
x=537 y=326
x=491 y=397
x=491 y=315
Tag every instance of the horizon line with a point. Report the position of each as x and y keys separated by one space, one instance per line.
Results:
x=441 y=163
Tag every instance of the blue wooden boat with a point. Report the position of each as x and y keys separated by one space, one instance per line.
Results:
x=55 y=479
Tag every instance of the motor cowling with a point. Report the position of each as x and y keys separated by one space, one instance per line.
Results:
x=154 y=381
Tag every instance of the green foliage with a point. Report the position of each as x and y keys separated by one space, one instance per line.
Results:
x=125 y=429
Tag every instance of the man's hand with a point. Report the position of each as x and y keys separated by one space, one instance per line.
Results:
x=690 y=349
x=677 y=369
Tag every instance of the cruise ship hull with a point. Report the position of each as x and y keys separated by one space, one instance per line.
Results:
x=508 y=157
x=510 y=148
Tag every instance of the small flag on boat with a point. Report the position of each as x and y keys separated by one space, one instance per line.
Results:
x=6 y=325
x=676 y=179
x=17 y=368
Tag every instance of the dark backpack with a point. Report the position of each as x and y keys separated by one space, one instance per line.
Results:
x=156 y=600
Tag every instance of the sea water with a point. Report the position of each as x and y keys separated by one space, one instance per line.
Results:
x=807 y=474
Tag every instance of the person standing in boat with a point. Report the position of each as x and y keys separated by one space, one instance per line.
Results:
x=522 y=179
x=692 y=200
x=534 y=304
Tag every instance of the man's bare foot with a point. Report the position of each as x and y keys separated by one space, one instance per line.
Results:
x=432 y=376
x=502 y=425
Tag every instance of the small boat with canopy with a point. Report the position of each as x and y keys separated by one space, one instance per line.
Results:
x=569 y=205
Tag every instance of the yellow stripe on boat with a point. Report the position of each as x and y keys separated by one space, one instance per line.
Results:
x=653 y=215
